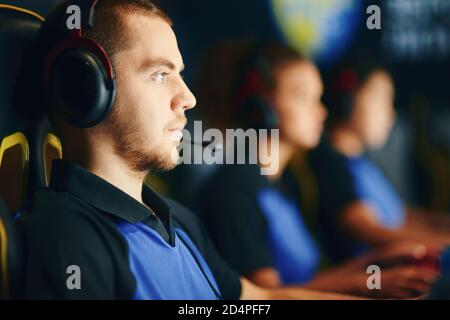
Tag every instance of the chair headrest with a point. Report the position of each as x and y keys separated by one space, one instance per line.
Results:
x=18 y=29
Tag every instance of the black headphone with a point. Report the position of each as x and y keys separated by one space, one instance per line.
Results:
x=349 y=78
x=251 y=99
x=78 y=75
x=343 y=93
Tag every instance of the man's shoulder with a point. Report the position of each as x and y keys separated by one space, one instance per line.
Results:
x=229 y=182
x=58 y=213
x=329 y=164
x=240 y=174
x=326 y=154
x=56 y=204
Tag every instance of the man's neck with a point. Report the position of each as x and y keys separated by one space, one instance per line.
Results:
x=112 y=169
x=119 y=175
x=347 y=141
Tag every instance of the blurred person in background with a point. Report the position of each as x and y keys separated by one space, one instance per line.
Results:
x=253 y=219
x=358 y=206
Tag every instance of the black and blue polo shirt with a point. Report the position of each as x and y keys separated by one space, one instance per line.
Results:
x=121 y=248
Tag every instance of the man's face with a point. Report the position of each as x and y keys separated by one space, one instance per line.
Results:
x=374 y=115
x=151 y=96
x=298 y=102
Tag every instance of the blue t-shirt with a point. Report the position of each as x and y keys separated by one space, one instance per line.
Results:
x=293 y=250
x=343 y=180
x=255 y=224
x=372 y=187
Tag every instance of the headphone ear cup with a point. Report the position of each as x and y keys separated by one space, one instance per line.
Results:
x=79 y=90
x=260 y=114
x=270 y=115
x=347 y=107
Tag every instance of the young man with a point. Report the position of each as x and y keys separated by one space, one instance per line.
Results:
x=254 y=220
x=96 y=232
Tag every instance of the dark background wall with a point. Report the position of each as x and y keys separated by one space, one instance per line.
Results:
x=414 y=40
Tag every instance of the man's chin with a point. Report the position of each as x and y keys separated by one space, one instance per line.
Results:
x=170 y=166
x=376 y=142
x=161 y=162
x=169 y=163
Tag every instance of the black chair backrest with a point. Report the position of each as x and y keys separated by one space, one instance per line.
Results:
x=18 y=29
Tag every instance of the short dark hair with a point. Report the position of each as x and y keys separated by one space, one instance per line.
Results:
x=109 y=31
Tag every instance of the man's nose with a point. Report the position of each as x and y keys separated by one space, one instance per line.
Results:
x=185 y=99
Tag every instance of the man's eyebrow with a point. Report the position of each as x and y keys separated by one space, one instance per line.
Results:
x=158 y=62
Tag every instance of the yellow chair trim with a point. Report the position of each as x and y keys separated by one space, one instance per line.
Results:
x=52 y=140
x=14 y=8
x=17 y=138
x=4 y=260
x=12 y=140
x=6 y=143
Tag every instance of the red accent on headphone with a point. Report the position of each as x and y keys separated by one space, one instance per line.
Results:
x=75 y=40
x=345 y=83
x=252 y=86
x=348 y=81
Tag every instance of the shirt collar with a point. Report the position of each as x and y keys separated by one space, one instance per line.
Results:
x=87 y=186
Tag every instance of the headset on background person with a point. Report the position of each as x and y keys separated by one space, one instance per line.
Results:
x=347 y=80
x=252 y=101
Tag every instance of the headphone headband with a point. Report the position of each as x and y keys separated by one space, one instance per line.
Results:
x=77 y=72
x=87 y=21
x=75 y=40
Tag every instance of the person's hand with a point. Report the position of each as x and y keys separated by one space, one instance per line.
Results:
x=404 y=282
x=400 y=253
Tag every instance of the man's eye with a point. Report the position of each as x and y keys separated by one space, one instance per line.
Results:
x=160 y=77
